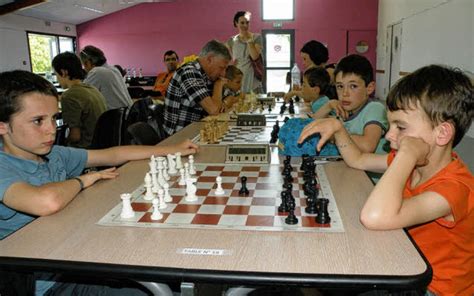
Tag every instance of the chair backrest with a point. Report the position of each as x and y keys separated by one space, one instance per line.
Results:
x=141 y=133
x=140 y=111
x=158 y=116
x=109 y=129
x=62 y=132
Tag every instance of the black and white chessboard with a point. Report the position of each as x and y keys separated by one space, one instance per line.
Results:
x=242 y=135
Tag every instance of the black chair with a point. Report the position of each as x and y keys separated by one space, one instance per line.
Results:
x=141 y=133
x=136 y=92
x=158 y=115
x=109 y=129
x=61 y=135
x=140 y=111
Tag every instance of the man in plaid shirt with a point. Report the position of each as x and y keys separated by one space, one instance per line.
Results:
x=195 y=91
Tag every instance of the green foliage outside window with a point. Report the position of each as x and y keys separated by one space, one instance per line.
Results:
x=40 y=53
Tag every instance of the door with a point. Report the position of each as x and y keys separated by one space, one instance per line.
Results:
x=395 y=53
x=279 y=57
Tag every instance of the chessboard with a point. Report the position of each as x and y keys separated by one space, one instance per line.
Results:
x=241 y=135
x=256 y=211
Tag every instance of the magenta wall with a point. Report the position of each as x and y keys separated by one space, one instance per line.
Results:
x=138 y=36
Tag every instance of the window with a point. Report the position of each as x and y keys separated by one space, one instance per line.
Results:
x=43 y=48
x=278 y=10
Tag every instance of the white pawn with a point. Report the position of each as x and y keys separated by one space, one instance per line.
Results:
x=161 y=196
x=191 y=190
x=168 y=197
x=179 y=164
x=148 y=185
x=127 y=210
x=171 y=164
x=165 y=171
x=187 y=175
x=156 y=215
x=182 y=179
x=192 y=169
x=219 y=190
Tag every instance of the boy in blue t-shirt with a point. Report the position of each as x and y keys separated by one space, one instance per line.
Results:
x=364 y=118
x=36 y=177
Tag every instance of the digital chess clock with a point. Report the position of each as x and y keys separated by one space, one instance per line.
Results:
x=248 y=153
x=251 y=120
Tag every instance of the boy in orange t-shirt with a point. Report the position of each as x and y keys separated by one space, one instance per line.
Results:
x=425 y=186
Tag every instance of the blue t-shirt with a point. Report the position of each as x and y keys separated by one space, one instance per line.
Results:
x=60 y=164
x=317 y=104
x=373 y=112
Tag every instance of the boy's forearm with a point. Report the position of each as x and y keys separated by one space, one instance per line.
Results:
x=385 y=201
x=323 y=112
x=348 y=148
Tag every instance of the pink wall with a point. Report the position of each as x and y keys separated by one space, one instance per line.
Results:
x=138 y=36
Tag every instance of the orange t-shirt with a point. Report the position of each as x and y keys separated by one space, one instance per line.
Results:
x=448 y=245
x=162 y=81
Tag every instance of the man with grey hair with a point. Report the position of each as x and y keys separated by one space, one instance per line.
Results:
x=195 y=90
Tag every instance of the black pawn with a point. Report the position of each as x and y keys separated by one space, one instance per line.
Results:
x=291 y=219
x=283 y=206
x=243 y=190
x=323 y=214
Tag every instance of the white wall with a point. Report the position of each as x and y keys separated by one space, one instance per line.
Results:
x=434 y=31
x=13 y=41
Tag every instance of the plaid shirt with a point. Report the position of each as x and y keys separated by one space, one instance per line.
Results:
x=189 y=86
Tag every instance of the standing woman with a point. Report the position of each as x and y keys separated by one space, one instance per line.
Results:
x=245 y=46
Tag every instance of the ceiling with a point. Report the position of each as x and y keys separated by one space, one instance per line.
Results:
x=71 y=11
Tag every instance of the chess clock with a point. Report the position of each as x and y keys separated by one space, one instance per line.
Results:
x=265 y=99
x=251 y=120
x=247 y=153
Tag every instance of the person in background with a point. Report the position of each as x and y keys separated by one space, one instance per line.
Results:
x=232 y=88
x=81 y=104
x=364 y=118
x=244 y=47
x=38 y=178
x=315 y=84
x=425 y=187
x=195 y=90
x=313 y=54
x=163 y=79
x=121 y=70
x=107 y=79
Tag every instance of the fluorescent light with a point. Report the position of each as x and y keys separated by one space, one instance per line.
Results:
x=89 y=8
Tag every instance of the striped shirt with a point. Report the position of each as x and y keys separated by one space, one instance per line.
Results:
x=188 y=87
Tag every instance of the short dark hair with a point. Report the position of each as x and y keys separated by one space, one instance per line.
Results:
x=69 y=62
x=232 y=71
x=15 y=84
x=239 y=14
x=94 y=55
x=358 y=65
x=444 y=94
x=170 y=52
x=318 y=77
x=318 y=52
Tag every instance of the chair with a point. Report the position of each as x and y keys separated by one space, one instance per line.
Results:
x=62 y=132
x=158 y=115
x=140 y=111
x=109 y=129
x=141 y=133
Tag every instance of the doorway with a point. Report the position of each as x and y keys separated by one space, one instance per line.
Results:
x=278 y=47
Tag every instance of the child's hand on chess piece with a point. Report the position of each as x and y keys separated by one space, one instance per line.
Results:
x=415 y=148
x=90 y=178
x=326 y=127
x=186 y=147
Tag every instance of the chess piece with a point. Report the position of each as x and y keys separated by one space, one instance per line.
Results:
x=165 y=170
x=323 y=214
x=311 y=201
x=182 y=179
x=286 y=119
x=156 y=215
x=179 y=163
x=148 y=185
x=127 y=210
x=166 y=189
x=192 y=169
x=291 y=219
x=161 y=197
x=171 y=164
x=283 y=206
x=219 y=190
x=243 y=190
x=191 y=190
x=187 y=175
